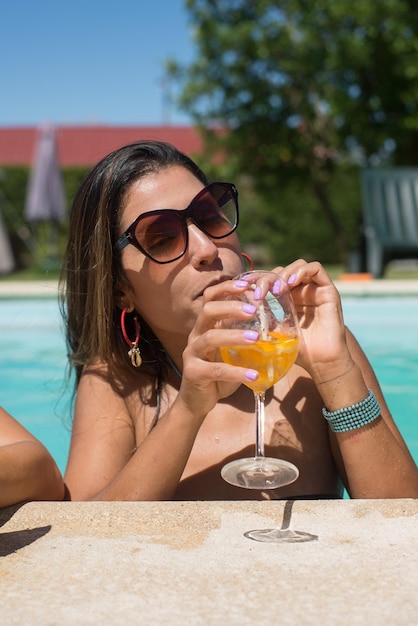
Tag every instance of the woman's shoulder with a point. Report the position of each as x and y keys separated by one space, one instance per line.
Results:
x=107 y=370
x=100 y=374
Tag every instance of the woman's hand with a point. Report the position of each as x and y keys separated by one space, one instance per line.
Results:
x=323 y=352
x=206 y=379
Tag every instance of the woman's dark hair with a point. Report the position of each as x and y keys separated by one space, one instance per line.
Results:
x=92 y=269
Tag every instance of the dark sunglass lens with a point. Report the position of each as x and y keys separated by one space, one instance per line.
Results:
x=162 y=235
x=215 y=211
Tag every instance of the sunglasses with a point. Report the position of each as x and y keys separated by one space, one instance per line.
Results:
x=163 y=236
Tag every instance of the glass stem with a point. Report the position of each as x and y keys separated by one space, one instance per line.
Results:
x=259 y=433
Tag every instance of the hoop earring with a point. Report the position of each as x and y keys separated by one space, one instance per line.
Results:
x=134 y=353
x=249 y=260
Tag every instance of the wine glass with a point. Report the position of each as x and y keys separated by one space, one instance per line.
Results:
x=272 y=355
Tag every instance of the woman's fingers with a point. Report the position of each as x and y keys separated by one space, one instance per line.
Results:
x=301 y=271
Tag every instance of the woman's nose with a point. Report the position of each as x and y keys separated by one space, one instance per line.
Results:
x=202 y=249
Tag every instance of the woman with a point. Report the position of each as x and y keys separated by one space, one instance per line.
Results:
x=27 y=470
x=156 y=413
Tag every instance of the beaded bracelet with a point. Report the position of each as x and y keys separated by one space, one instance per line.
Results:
x=354 y=416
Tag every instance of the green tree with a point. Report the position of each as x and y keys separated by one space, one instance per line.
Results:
x=294 y=91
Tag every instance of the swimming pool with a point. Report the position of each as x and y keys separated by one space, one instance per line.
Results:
x=33 y=363
x=387 y=329
x=32 y=371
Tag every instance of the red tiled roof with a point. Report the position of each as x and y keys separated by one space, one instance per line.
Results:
x=86 y=145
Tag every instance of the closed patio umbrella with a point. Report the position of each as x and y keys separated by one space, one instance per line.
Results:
x=45 y=198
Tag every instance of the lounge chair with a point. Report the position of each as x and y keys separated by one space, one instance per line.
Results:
x=390 y=214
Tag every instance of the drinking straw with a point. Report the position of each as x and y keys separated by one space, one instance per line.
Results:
x=263 y=322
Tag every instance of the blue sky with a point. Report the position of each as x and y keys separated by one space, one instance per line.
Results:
x=90 y=61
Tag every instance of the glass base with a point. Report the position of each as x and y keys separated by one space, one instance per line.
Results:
x=275 y=535
x=259 y=473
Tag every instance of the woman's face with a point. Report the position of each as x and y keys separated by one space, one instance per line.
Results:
x=169 y=296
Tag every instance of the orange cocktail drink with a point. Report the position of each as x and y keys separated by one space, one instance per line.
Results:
x=272 y=356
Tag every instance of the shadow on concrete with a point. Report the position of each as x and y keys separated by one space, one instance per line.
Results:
x=283 y=534
x=14 y=541
x=7 y=512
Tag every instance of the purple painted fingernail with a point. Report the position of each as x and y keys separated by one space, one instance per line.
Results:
x=257 y=293
x=291 y=279
x=278 y=286
x=252 y=335
x=249 y=308
x=240 y=283
x=251 y=375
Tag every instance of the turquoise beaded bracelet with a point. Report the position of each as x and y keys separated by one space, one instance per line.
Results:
x=354 y=416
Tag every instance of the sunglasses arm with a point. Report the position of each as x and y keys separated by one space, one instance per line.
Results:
x=122 y=242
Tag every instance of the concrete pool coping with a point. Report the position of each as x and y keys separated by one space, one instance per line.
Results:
x=28 y=288
x=183 y=563
x=406 y=287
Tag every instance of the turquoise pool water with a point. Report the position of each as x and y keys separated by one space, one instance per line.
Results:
x=33 y=363
x=32 y=371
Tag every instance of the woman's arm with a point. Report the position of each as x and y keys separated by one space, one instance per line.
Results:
x=373 y=458
x=106 y=462
x=376 y=459
x=27 y=470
